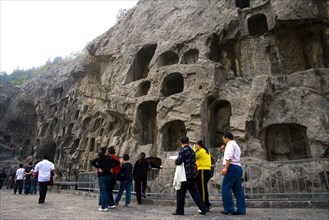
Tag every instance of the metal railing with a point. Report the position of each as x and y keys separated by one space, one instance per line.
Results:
x=265 y=180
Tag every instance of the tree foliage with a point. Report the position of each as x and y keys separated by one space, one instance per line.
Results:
x=19 y=76
x=121 y=13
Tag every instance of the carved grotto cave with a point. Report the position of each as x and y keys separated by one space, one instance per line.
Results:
x=168 y=58
x=286 y=141
x=257 y=25
x=146 y=123
x=92 y=145
x=75 y=145
x=171 y=133
x=220 y=116
x=143 y=88
x=190 y=56
x=58 y=92
x=139 y=69
x=172 y=84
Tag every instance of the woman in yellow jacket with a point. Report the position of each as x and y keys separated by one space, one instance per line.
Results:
x=203 y=162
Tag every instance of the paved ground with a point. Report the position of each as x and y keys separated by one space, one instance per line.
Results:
x=69 y=206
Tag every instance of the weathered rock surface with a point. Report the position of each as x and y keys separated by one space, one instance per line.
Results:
x=195 y=68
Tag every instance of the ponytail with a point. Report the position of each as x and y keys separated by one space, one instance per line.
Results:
x=201 y=143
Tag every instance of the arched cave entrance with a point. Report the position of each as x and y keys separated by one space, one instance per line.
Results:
x=85 y=123
x=257 y=25
x=75 y=145
x=143 y=88
x=146 y=123
x=140 y=67
x=287 y=141
x=76 y=116
x=172 y=84
x=50 y=149
x=97 y=124
x=220 y=116
x=171 y=134
x=168 y=58
x=92 y=145
x=190 y=56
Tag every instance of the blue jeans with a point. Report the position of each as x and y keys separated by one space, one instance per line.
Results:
x=124 y=185
x=104 y=182
x=34 y=184
x=232 y=182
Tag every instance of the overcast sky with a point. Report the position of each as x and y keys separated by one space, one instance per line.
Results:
x=34 y=31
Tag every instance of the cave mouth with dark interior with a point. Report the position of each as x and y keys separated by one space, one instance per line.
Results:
x=172 y=84
x=287 y=141
x=146 y=123
x=139 y=69
x=171 y=134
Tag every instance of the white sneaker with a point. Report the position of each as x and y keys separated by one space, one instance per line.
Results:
x=105 y=210
x=112 y=207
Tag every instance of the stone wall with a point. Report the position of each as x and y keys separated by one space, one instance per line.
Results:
x=195 y=68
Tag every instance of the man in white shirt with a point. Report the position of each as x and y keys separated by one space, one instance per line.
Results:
x=232 y=172
x=19 y=179
x=44 y=169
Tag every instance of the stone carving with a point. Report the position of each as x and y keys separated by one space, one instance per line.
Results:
x=225 y=60
x=314 y=54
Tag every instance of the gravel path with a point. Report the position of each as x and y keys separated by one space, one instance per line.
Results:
x=69 y=206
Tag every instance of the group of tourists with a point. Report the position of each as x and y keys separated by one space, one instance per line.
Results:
x=198 y=158
x=193 y=172
x=31 y=176
x=196 y=164
x=109 y=170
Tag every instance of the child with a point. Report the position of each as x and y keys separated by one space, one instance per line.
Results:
x=125 y=175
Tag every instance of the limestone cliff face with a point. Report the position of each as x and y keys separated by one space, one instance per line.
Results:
x=195 y=68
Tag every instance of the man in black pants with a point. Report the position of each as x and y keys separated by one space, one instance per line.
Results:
x=3 y=176
x=28 y=175
x=186 y=155
x=140 y=170
x=44 y=169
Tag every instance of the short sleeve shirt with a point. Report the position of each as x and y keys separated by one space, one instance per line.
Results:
x=44 y=168
x=232 y=152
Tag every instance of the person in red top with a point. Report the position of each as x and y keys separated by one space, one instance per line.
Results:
x=115 y=171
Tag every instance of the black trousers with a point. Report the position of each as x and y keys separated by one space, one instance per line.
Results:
x=1 y=183
x=188 y=185
x=19 y=185
x=140 y=187
x=202 y=185
x=27 y=185
x=43 y=188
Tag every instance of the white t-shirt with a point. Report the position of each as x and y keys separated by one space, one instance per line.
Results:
x=20 y=173
x=232 y=152
x=44 y=168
